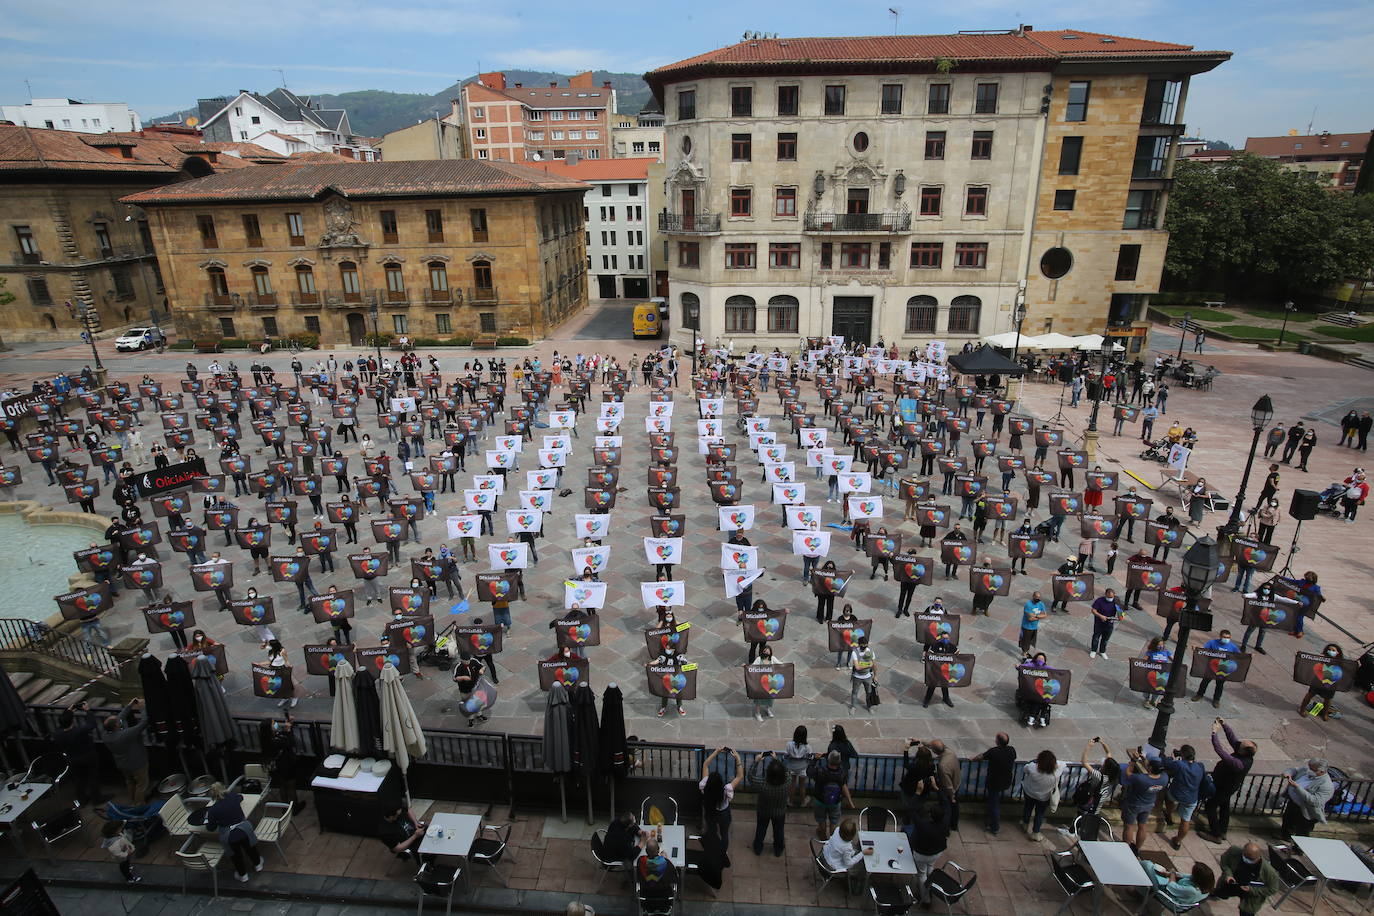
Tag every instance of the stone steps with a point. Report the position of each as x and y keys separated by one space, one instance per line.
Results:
x=1342 y=319
x=1361 y=362
x=33 y=687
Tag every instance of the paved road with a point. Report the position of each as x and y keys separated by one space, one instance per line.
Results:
x=611 y=321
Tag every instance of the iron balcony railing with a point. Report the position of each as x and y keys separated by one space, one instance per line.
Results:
x=897 y=221
x=689 y=222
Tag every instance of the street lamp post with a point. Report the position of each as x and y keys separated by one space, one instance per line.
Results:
x=1260 y=415
x=376 y=335
x=1020 y=315
x=1199 y=572
x=1101 y=379
x=1288 y=309
x=1183 y=332
x=88 y=319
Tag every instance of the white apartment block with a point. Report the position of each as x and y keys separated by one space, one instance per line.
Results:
x=636 y=136
x=618 y=224
x=283 y=122
x=69 y=114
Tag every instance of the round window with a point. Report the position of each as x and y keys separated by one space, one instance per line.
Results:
x=860 y=142
x=1056 y=262
x=686 y=145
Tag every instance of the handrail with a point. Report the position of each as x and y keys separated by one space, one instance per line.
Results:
x=17 y=633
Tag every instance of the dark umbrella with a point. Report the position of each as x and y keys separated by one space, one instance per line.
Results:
x=585 y=738
x=183 y=717
x=13 y=714
x=369 y=712
x=611 y=743
x=558 y=739
x=216 y=725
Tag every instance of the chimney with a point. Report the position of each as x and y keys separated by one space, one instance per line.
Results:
x=519 y=85
x=606 y=85
x=553 y=85
x=573 y=157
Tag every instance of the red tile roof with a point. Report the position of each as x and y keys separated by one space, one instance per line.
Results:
x=600 y=169
x=153 y=153
x=304 y=179
x=1073 y=43
x=1316 y=145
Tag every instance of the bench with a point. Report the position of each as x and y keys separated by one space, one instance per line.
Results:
x=484 y=343
x=208 y=346
x=1216 y=304
x=1182 y=481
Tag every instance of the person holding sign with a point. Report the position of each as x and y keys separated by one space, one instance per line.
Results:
x=763 y=706
x=862 y=669
x=941 y=646
x=276 y=658
x=1325 y=692
x=1222 y=644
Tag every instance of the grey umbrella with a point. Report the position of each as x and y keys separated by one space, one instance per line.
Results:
x=216 y=725
x=343 y=723
x=558 y=739
x=401 y=733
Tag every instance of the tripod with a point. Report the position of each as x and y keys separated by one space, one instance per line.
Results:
x=1059 y=414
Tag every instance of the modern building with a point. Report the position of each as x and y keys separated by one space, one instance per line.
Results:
x=73 y=240
x=1332 y=159
x=69 y=114
x=638 y=135
x=914 y=187
x=519 y=123
x=284 y=123
x=432 y=138
x=426 y=249
x=619 y=223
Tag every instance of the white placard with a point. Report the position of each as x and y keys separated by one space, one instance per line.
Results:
x=711 y=407
x=403 y=405
x=509 y=443
x=865 y=507
x=759 y=440
x=803 y=516
x=660 y=408
x=558 y=442
x=597 y=558
x=813 y=436
x=839 y=464
x=772 y=454
x=733 y=518
x=543 y=479
x=500 y=458
x=710 y=427
x=666 y=594
x=608 y=441
x=562 y=419
x=512 y=555
x=811 y=543
x=738 y=581
x=494 y=482
x=658 y=424
x=612 y=410
x=607 y=424
x=592 y=526
x=536 y=499
x=758 y=424
x=818 y=457
x=553 y=457
x=705 y=442
x=856 y=482
x=479 y=500
x=584 y=594
x=782 y=472
x=663 y=550
x=463 y=526
x=737 y=556
x=786 y=494
x=519 y=521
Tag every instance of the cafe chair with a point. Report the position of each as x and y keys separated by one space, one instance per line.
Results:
x=1293 y=872
x=824 y=873
x=1092 y=827
x=202 y=855
x=892 y=899
x=58 y=827
x=51 y=768
x=657 y=810
x=605 y=864
x=176 y=816
x=254 y=772
x=877 y=819
x=436 y=881
x=276 y=819
x=1169 y=906
x=489 y=850
x=655 y=901
x=1072 y=876
x=951 y=888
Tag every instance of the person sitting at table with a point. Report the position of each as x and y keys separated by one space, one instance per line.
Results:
x=225 y=816
x=841 y=851
x=1181 y=891
x=1247 y=875
x=655 y=875
x=402 y=834
x=621 y=843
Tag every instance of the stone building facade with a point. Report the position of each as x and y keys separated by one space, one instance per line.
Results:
x=428 y=249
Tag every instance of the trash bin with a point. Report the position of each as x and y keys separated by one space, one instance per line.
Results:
x=1304 y=346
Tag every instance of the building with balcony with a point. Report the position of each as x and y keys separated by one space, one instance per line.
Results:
x=426 y=249
x=519 y=123
x=1332 y=159
x=72 y=240
x=619 y=222
x=903 y=188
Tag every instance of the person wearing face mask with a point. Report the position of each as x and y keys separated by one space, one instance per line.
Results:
x=1309 y=789
x=304 y=583
x=1267 y=518
x=672 y=658
x=1222 y=644
x=758 y=607
x=1247 y=876
x=843 y=657
x=1264 y=593
x=764 y=707
x=1326 y=693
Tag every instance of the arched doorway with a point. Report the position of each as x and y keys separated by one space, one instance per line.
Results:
x=357 y=328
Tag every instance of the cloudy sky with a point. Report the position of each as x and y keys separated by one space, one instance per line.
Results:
x=1294 y=64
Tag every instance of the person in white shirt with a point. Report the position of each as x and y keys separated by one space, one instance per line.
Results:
x=841 y=852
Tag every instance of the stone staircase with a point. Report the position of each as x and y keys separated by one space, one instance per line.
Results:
x=38 y=690
x=1343 y=319
x=1362 y=362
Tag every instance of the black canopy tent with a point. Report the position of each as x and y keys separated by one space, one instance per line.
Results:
x=985 y=361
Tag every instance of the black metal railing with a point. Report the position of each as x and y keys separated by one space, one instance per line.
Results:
x=689 y=222
x=898 y=221
x=18 y=634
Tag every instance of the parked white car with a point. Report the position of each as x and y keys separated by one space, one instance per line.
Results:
x=140 y=339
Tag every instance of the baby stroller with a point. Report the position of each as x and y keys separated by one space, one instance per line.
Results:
x=1329 y=500
x=1157 y=451
x=439 y=655
x=142 y=823
x=476 y=704
x=1049 y=528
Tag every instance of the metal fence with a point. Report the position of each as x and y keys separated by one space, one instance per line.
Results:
x=497 y=766
x=18 y=634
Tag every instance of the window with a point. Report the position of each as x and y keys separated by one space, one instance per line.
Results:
x=884 y=255
x=28 y=245
x=312 y=324
x=591 y=154
x=971 y=255
x=269 y=327
x=855 y=255
x=535 y=135
x=930 y=200
x=985 y=99
x=67 y=122
x=827 y=255
x=238 y=111
x=688 y=254
x=1161 y=99
x=607 y=214
x=305 y=282
x=400 y=324
x=654 y=147
x=295 y=228
x=478 y=220
x=635 y=214
x=1125 y=308
x=741 y=202
x=937 y=98
x=1127 y=262
x=982 y=145
x=785 y=202
x=1063 y=200
x=251 y=230
x=636 y=147
x=481 y=133
x=486 y=321
x=206 y=225
x=892 y=98
x=481 y=275
x=226 y=327
x=1056 y=262
x=1070 y=155
x=607 y=190
x=787 y=147
x=478 y=111
x=783 y=312
x=1151 y=157
x=438 y=280
x=102 y=239
x=741 y=148
x=927 y=255
x=856 y=200
x=740 y=256
x=442 y=323
x=739 y=315
x=434 y=225
x=1076 y=109
x=39 y=294
x=483 y=154
x=789 y=100
x=349 y=282
x=976 y=201
x=95 y=122
x=1140 y=209
x=963 y=314
x=860 y=142
x=574 y=135
x=219 y=284
x=741 y=101
x=834 y=100
x=935 y=144
x=691 y=311
x=389 y=234
x=784 y=255
x=534 y=115
x=395 y=283
x=255 y=119
x=686 y=104
x=158 y=285
x=558 y=135
x=921 y=312
x=555 y=115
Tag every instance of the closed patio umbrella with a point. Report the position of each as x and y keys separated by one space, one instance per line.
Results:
x=369 y=709
x=216 y=725
x=401 y=734
x=343 y=721
x=558 y=740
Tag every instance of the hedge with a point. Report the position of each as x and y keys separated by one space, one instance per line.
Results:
x=512 y=342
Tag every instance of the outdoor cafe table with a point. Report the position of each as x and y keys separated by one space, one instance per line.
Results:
x=1333 y=860
x=1113 y=865
x=450 y=835
x=891 y=853
x=13 y=806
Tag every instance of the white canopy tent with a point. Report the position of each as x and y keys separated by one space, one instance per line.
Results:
x=1093 y=342
x=1056 y=341
x=1006 y=340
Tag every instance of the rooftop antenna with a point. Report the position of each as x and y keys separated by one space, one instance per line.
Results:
x=896 y=12
x=282 y=74
x=1313 y=121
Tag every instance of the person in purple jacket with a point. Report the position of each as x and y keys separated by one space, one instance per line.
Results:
x=1235 y=758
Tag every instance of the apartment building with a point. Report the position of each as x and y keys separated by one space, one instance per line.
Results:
x=618 y=223
x=426 y=249
x=909 y=187
x=432 y=138
x=519 y=123
x=70 y=114
x=1332 y=159
x=285 y=123
x=634 y=136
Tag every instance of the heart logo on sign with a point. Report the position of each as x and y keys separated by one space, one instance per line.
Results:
x=1171 y=535
x=213 y=578
x=939 y=630
x=811 y=543
x=142 y=536
x=290 y=568
x=255 y=612
x=601 y=498
x=675 y=683
x=1273 y=616
x=580 y=633
x=414 y=633
x=371 y=565
x=1047 y=688
x=392 y=529
x=851 y=637
x=772 y=683
x=334 y=606
x=737 y=519
x=664 y=593
x=1077 y=588
x=482 y=641
x=87 y=602
x=992 y=581
x=509 y=556
x=172 y=618
x=868 y=507
x=739 y=559
x=768 y=626
x=142 y=577
x=673 y=526
x=270 y=684
x=1253 y=556
x=331 y=661
x=1327 y=673
x=1154 y=578
x=953 y=672
x=414 y=602
x=664 y=551
x=254 y=536
x=581 y=594
x=1070 y=503
x=499 y=588
x=1157 y=679
x=1222 y=667
x=565 y=676
x=1103 y=526
x=963 y=553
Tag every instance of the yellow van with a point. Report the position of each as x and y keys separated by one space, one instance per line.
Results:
x=646 y=321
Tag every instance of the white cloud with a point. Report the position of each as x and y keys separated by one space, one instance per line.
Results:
x=1348 y=52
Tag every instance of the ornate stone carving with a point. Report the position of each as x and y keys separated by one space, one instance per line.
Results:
x=340 y=228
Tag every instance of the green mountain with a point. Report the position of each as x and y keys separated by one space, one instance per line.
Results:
x=373 y=112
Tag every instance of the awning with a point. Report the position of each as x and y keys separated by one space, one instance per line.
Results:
x=985 y=361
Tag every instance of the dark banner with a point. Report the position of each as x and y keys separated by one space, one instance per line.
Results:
x=412 y=632
x=375 y=658
x=1313 y=670
x=331 y=605
x=479 y=639
x=1147 y=576
x=206 y=577
x=932 y=515
x=388 y=531
x=908 y=568
x=1256 y=612
x=577 y=630
x=677 y=637
x=171 y=504
x=1231 y=667
x=1064 y=503
x=1101 y=480
x=1152 y=678
x=288 y=568
x=957 y=552
x=1000 y=508
x=1098 y=527
x=407 y=601
x=143 y=575
x=931 y=628
x=568 y=672
x=598 y=500
x=672 y=682
x=368 y=565
x=496 y=586
x=1133 y=507
x=253 y=612
x=321 y=540
x=831 y=583
x=989 y=580
x=1249 y=552
x=253 y=538
x=764 y=626
x=273 y=683
x=1070 y=458
x=324 y=659
x=665 y=499
x=186 y=540
x=1073 y=588
x=667 y=526
x=1050 y=685
x=164 y=618
x=770 y=682
x=93 y=559
x=726 y=493
x=173 y=476
x=1172 y=602
x=140 y=536
x=1158 y=534
x=845 y=636
x=1025 y=546
x=85 y=603
x=884 y=546
x=955 y=670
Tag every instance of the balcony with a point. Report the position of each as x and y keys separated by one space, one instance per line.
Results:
x=302 y=300
x=686 y=223
x=217 y=302
x=858 y=222
x=443 y=297
x=483 y=296
x=393 y=296
x=341 y=299
x=27 y=257
x=264 y=301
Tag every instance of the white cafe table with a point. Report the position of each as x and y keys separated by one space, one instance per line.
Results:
x=1113 y=865
x=1333 y=860
x=13 y=804
x=250 y=805
x=674 y=838
x=450 y=835
x=891 y=853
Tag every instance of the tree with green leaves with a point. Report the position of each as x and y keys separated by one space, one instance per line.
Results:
x=6 y=297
